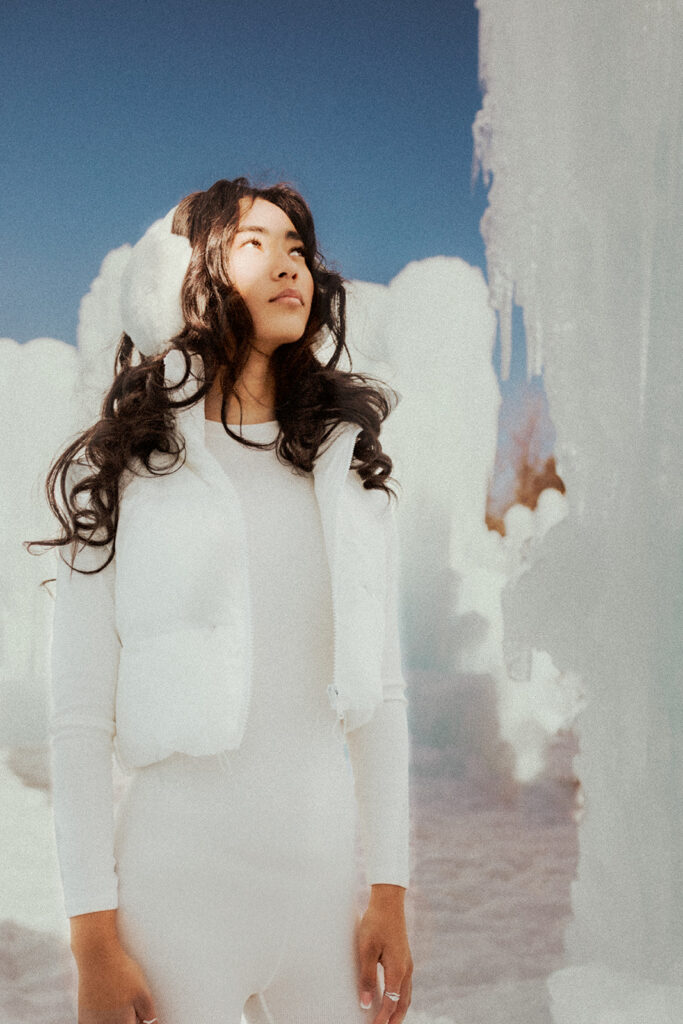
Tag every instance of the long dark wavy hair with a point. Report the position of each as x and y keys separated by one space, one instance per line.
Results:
x=137 y=416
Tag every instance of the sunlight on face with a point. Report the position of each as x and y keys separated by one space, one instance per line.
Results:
x=268 y=268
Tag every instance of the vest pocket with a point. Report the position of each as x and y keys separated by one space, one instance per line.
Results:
x=185 y=690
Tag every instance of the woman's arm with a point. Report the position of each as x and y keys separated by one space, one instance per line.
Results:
x=85 y=656
x=380 y=754
x=93 y=934
x=379 y=750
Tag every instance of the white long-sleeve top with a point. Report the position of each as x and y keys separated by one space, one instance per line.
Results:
x=293 y=650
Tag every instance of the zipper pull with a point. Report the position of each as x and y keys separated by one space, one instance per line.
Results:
x=333 y=694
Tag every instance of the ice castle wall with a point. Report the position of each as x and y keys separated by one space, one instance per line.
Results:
x=579 y=138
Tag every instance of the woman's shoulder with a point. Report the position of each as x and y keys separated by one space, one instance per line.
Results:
x=137 y=478
x=371 y=499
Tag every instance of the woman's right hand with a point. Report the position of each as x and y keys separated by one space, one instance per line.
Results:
x=112 y=989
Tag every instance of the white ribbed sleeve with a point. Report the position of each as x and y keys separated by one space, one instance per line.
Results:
x=85 y=656
x=379 y=757
x=379 y=750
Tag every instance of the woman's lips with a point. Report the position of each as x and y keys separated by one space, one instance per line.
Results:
x=289 y=296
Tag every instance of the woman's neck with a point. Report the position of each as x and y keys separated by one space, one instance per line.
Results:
x=256 y=390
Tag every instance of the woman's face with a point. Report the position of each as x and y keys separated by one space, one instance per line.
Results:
x=267 y=266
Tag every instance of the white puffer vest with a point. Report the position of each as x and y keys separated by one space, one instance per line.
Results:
x=183 y=601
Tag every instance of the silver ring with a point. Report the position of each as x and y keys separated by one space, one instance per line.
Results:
x=152 y=1021
x=394 y=996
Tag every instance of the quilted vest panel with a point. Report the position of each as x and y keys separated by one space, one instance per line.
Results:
x=183 y=609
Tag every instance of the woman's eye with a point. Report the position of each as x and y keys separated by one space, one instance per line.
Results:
x=301 y=249
x=256 y=241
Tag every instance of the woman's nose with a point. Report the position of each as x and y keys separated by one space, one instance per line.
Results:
x=285 y=266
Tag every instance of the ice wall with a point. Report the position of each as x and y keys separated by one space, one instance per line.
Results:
x=430 y=333
x=37 y=383
x=579 y=137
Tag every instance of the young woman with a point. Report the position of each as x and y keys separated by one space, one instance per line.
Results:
x=228 y=626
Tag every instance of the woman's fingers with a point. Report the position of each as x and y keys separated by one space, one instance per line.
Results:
x=144 y=1008
x=396 y=999
x=382 y=939
x=400 y=1005
x=368 y=977
x=120 y=1015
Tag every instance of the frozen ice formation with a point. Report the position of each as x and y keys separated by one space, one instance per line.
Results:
x=579 y=136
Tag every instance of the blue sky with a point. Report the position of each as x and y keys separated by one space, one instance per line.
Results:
x=113 y=111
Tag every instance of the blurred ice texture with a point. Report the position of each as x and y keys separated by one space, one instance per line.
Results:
x=580 y=136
